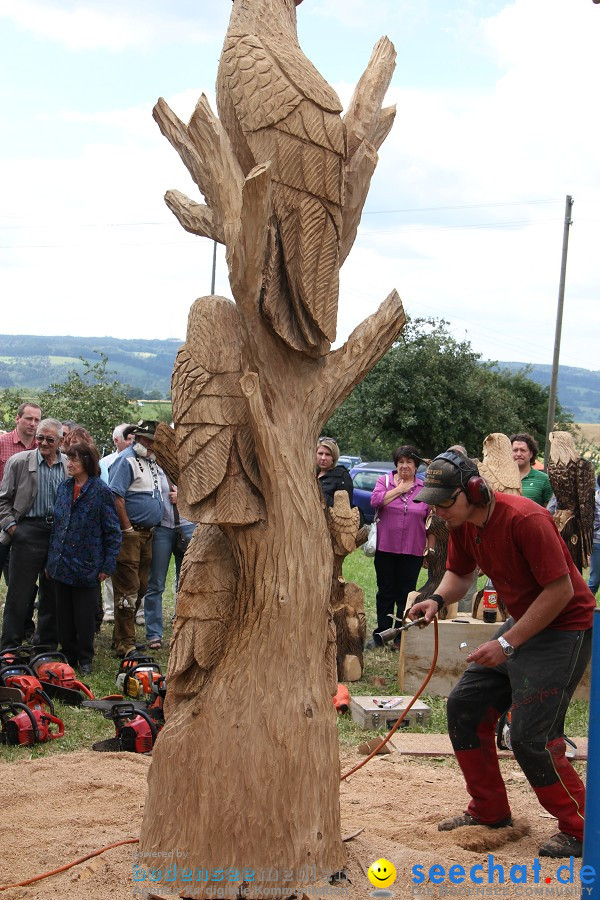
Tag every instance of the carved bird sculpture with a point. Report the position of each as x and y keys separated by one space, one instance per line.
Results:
x=498 y=466
x=277 y=108
x=573 y=482
x=219 y=481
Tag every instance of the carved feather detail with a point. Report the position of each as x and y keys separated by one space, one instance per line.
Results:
x=205 y=604
x=498 y=466
x=573 y=482
x=218 y=482
x=277 y=108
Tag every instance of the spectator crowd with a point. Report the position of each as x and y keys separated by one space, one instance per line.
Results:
x=72 y=524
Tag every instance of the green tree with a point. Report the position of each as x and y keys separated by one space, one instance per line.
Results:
x=432 y=391
x=10 y=401
x=91 y=398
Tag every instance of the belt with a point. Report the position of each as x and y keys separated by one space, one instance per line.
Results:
x=48 y=519
x=142 y=528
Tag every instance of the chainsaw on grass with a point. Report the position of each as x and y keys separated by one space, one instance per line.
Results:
x=22 y=678
x=136 y=731
x=59 y=678
x=24 y=726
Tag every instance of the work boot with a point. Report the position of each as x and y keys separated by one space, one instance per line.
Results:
x=467 y=819
x=562 y=845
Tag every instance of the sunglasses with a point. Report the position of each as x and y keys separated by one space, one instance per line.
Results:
x=331 y=440
x=42 y=438
x=446 y=504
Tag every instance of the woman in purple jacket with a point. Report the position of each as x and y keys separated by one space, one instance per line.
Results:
x=401 y=536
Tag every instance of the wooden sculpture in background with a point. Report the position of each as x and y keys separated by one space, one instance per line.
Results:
x=573 y=481
x=347 y=597
x=245 y=773
x=498 y=466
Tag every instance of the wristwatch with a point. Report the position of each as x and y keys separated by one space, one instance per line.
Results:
x=507 y=648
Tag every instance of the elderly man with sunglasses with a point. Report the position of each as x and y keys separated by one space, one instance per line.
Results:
x=31 y=479
x=534 y=661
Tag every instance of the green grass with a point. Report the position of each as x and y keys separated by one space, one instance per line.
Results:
x=84 y=727
x=159 y=410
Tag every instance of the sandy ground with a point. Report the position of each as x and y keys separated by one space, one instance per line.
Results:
x=57 y=809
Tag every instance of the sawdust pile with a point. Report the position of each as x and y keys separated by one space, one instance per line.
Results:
x=62 y=807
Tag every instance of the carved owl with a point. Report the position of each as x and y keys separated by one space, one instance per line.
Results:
x=573 y=481
x=275 y=106
x=205 y=604
x=219 y=482
x=498 y=466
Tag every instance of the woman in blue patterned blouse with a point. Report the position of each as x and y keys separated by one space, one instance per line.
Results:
x=84 y=545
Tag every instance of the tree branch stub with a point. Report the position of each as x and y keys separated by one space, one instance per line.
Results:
x=349 y=364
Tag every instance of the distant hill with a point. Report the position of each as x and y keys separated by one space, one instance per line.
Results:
x=31 y=361
x=578 y=389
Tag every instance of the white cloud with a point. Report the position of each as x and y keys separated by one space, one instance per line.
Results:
x=108 y=25
x=531 y=136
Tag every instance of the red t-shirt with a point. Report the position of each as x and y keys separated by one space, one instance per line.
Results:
x=522 y=552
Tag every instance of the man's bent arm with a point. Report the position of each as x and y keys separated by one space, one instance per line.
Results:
x=122 y=513
x=544 y=609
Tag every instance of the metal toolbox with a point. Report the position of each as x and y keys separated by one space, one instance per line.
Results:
x=367 y=712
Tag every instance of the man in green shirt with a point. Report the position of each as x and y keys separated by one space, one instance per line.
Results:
x=535 y=484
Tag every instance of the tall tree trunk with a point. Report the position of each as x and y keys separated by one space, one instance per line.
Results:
x=245 y=774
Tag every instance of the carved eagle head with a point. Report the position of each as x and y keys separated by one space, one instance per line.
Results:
x=562 y=447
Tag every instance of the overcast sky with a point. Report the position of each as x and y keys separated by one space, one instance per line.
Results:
x=497 y=122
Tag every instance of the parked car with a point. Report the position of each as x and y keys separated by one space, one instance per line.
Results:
x=364 y=477
x=350 y=461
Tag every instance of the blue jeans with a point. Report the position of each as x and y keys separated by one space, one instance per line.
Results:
x=163 y=547
x=594 y=582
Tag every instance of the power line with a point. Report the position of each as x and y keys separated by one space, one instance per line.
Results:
x=376 y=212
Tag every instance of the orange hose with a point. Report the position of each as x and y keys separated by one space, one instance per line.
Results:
x=384 y=740
x=70 y=865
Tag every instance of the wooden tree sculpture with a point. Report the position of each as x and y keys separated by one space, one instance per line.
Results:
x=245 y=773
x=347 y=597
x=573 y=481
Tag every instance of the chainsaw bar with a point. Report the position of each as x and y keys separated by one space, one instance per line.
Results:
x=66 y=695
x=106 y=706
x=109 y=745
x=11 y=693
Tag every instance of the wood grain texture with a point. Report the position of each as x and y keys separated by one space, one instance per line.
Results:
x=246 y=772
x=498 y=466
x=277 y=108
x=573 y=480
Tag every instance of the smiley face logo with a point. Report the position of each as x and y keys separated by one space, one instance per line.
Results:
x=381 y=873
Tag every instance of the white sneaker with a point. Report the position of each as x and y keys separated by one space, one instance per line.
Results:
x=108 y=617
x=140 y=620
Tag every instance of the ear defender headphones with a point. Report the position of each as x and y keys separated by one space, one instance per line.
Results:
x=474 y=486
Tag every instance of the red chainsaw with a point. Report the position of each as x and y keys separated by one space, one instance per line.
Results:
x=22 y=678
x=24 y=726
x=136 y=731
x=59 y=678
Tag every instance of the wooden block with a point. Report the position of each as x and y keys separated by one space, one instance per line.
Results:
x=418 y=651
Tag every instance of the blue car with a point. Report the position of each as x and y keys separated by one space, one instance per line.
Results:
x=349 y=461
x=364 y=477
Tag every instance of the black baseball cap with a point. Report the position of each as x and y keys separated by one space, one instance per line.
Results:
x=444 y=474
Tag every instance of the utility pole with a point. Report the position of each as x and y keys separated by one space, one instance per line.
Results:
x=557 y=333
x=214 y=268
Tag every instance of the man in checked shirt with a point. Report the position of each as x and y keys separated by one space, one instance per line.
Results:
x=31 y=479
